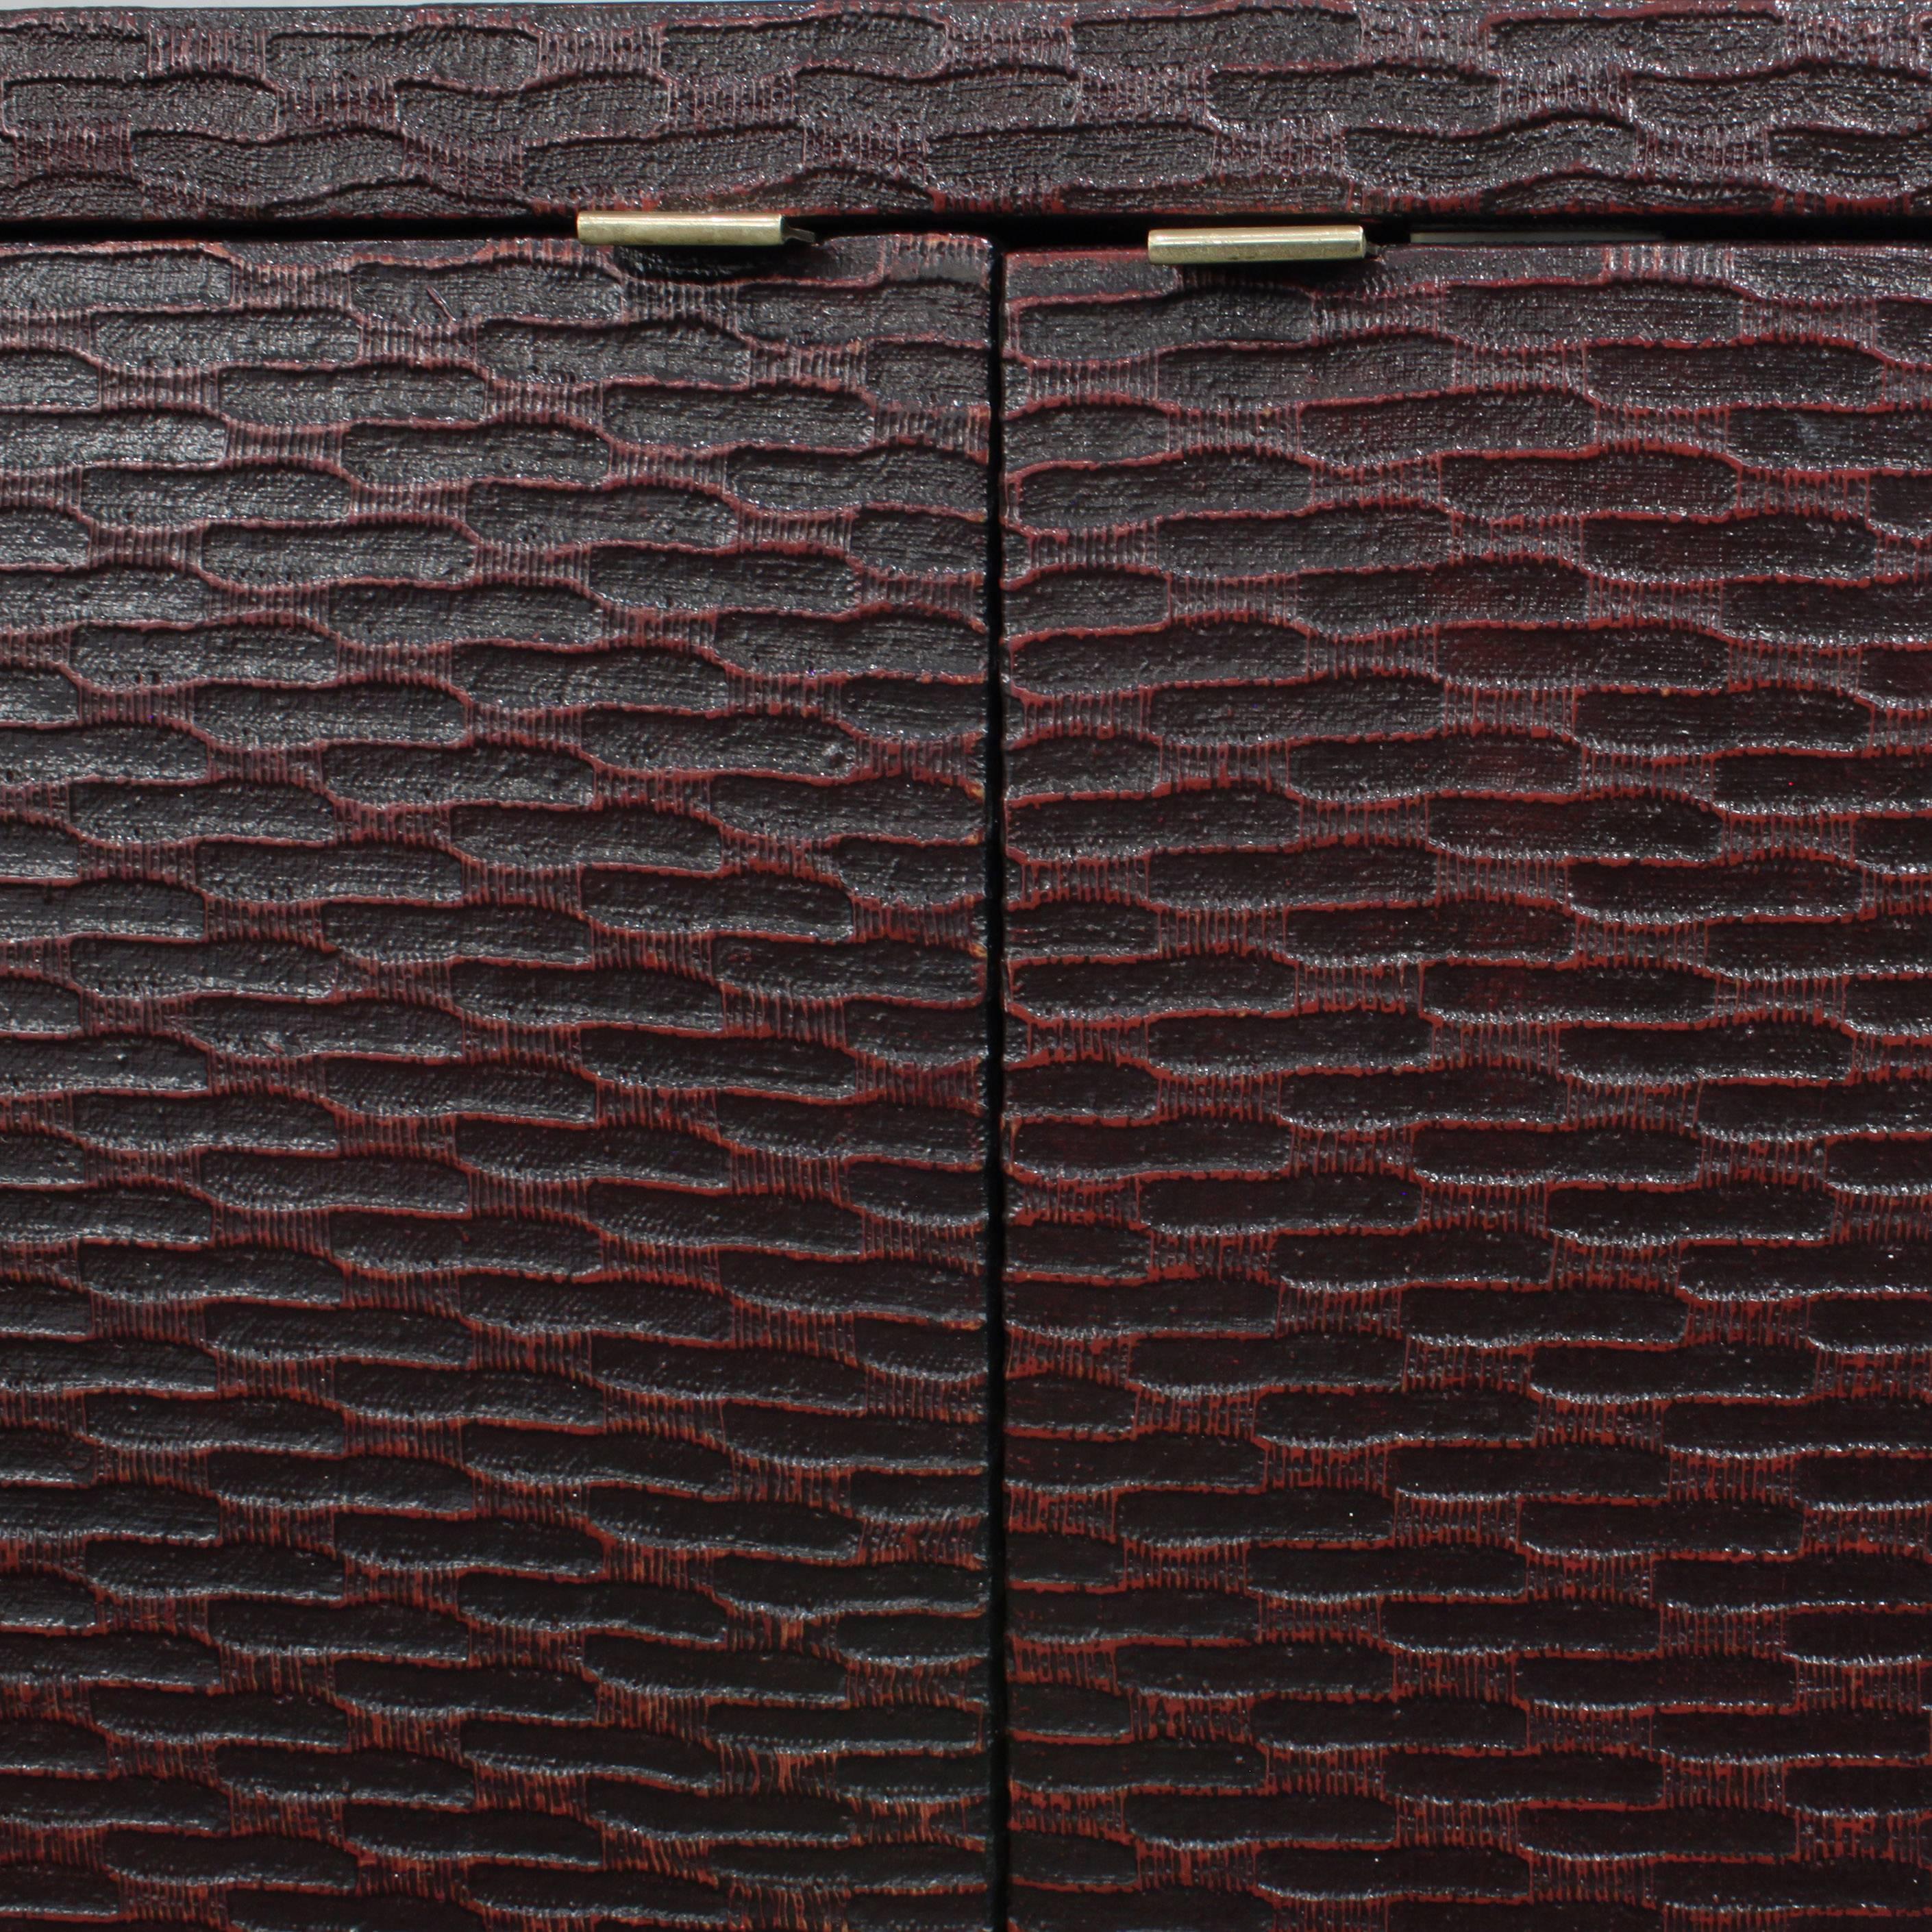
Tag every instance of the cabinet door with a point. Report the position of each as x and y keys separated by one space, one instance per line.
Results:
x=490 y=1033
x=1470 y=998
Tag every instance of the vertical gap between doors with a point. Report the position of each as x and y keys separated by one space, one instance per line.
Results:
x=998 y=1797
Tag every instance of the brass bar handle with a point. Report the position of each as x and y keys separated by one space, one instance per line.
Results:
x=1302 y=242
x=624 y=228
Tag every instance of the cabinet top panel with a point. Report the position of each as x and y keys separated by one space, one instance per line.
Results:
x=1442 y=108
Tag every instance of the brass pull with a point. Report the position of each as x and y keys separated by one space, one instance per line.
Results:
x=621 y=228
x=1324 y=242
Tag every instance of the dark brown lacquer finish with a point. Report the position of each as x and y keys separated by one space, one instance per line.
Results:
x=491 y=1193
x=854 y=106
x=1470 y=1006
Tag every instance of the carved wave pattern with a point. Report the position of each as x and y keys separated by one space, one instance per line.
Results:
x=1446 y=105
x=492 y=971
x=1470 y=986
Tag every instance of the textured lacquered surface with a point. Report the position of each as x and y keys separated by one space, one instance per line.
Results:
x=1468 y=1018
x=1438 y=106
x=491 y=1189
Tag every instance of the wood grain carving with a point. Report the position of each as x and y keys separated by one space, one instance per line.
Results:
x=1470 y=980
x=491 y=1195
x=853 y=107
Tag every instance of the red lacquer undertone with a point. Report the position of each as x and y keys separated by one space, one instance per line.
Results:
x=1470 y=996
x=491 y=1002
x=1428 y=108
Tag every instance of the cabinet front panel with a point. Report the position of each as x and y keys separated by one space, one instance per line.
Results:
x=491 y=982
x=1435 y=108
x=1470 y=1002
